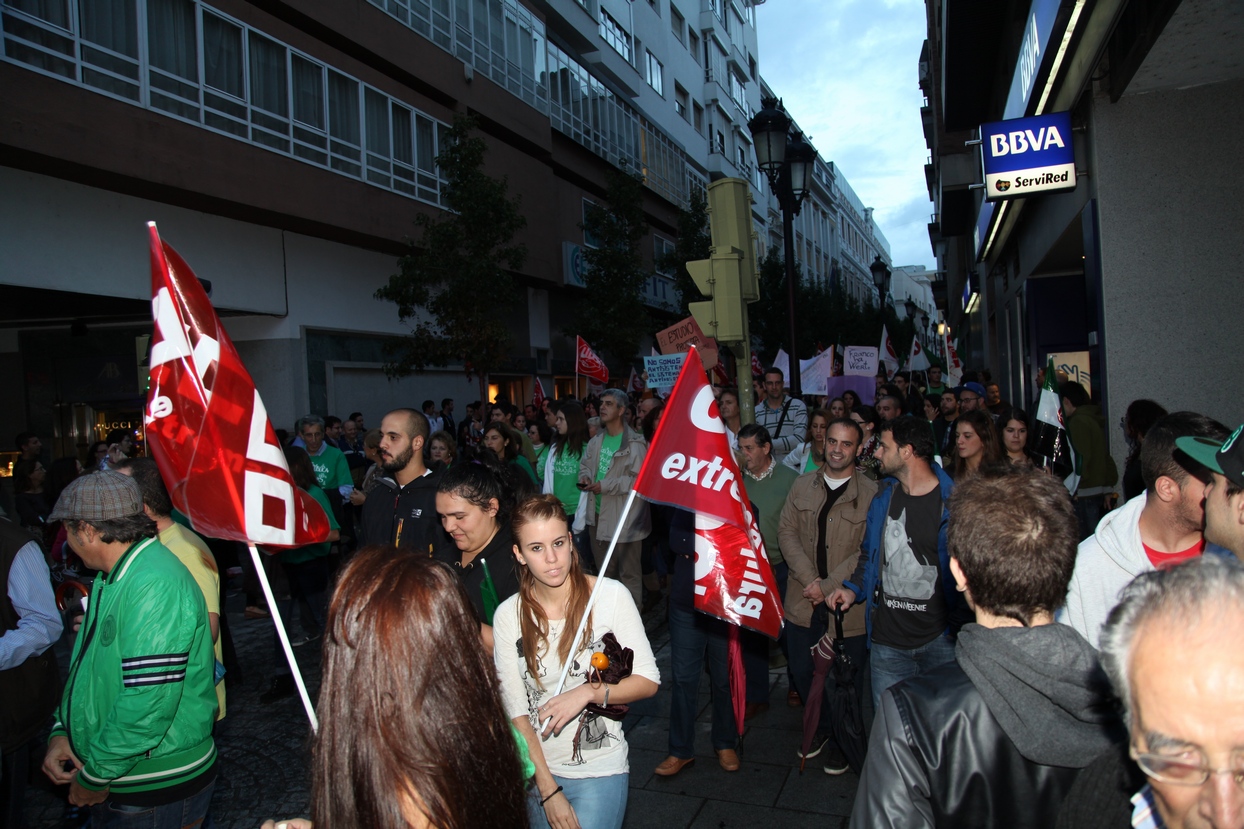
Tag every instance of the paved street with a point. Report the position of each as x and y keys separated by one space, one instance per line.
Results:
x=263 y=751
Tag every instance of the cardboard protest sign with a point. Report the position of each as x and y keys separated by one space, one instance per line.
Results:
x=682 y=335
x=663 y=370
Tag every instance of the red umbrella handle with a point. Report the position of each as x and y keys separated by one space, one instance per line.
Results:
x=66 y=587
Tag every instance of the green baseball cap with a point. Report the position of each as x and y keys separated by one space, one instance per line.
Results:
x=1226 y=458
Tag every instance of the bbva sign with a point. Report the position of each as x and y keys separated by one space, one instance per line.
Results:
x=1024 y=156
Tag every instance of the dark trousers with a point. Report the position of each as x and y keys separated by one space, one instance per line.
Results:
x=308 y=587
x=801 y=640
x=14 y=777
x=695 y=637
x=756 y=648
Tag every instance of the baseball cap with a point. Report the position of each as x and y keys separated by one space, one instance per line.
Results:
x=1226 y=458
x=99 y=496
x=975 y=388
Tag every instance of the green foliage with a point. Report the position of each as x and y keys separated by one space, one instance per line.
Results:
x=694 y=242
x=824 y=315
x=612 y=316
x=458 y=271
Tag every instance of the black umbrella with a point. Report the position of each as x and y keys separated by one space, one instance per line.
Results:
x=846 y=716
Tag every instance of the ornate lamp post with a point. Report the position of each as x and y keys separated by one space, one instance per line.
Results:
x=881 y=278
x=787 y=160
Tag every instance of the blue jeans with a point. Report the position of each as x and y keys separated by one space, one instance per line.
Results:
x=891 y=666
x=693 y=637
x=597 y=801
x=176 y=815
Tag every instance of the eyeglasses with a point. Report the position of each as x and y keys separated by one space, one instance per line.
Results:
x=964 y=399
x=1180 y=773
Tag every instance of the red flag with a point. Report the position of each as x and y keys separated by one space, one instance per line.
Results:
x=208 y=429
x=690 y=465
x=537 y=396
x=588 y=364
x=757 y=369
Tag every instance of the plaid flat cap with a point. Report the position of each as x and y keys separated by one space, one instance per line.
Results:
x=99 y=496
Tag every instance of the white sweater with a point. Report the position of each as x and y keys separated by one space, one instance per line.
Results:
x=615 y=611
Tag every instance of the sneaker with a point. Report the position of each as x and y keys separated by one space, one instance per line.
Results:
x=282 y=686
x=818 y=745
x=836 y=762
x=306 y=640
x=256 y=612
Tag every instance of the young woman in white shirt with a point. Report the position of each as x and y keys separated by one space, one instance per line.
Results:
x=582 y=770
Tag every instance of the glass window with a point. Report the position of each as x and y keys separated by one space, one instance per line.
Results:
x=343 y=107
x=693 y=45
x=654 y=72
x=267 y=64
x=55 y=12
x=112 y=24
x=222 y=55
x=171 y=37
x=677 y=24
x=616 y=36
x=308 y=92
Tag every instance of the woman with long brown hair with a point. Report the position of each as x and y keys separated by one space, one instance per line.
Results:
x=580 y=754
x=811 y=454
x=977 y=447
x=412 y=729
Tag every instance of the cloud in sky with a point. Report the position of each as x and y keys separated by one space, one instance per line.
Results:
x=847 y=72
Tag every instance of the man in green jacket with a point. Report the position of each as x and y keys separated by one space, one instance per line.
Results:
x=133 y=731
x=1098 y=474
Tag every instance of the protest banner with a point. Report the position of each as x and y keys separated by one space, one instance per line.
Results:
x=860 y=360
x=663 y=371
x=682 y=335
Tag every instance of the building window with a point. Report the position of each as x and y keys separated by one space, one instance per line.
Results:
x=206 y=69
x=662 y=250
x=588 y=239
x=616 y=36
x=656 y=6
x=720 y=143
x=693 y=45
x=742 y=152
x=677 y=24
x=654 y=72
x=697 y=117
x=738 y=90
x=681 y=99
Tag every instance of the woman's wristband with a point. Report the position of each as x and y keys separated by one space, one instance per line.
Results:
x=550 y=797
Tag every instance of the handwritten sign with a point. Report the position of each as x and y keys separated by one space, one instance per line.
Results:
x=860 y=360
x=682 y=335
x=663 y=370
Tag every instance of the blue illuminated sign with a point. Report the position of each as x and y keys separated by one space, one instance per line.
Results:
x=1024 y=156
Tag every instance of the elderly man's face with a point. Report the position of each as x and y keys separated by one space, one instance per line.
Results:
x=1188 y=707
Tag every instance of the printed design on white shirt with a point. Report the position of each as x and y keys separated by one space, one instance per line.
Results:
x=596 y=735
x=905 y=579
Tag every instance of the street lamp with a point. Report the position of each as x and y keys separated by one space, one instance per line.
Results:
x=881 y=278
x=787 y=160
x=924 y=326
x=911 y=309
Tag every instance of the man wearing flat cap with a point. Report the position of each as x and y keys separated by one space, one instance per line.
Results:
x=133 y=732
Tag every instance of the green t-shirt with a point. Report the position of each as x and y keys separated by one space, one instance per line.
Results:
x=542 y=456
x=522 y=464
x=566 y=479
x=332 y=471
x=810 y=463
x=611 y=444
x=298 y=555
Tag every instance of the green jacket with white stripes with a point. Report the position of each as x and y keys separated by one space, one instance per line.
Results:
x=140 y=699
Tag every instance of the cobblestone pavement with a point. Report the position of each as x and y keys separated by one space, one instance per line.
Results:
x=264 y=771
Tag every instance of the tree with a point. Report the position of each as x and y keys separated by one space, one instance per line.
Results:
x=824 y=315
x=612 y=316
x=464 y=254
x=694 y=243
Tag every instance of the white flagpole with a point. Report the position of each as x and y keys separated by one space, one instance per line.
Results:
x=587 y=611
x=284 y=637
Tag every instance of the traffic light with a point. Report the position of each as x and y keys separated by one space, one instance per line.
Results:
x=729 y=277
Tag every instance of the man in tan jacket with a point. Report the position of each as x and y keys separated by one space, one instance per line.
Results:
x=821 y=528
x=610 y=465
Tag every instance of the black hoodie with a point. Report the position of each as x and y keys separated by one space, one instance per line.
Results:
x=405 y=516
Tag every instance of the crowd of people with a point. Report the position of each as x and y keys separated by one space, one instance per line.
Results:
x=1030 y=652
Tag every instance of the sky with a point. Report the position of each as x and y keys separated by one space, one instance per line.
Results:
x=846 y=71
